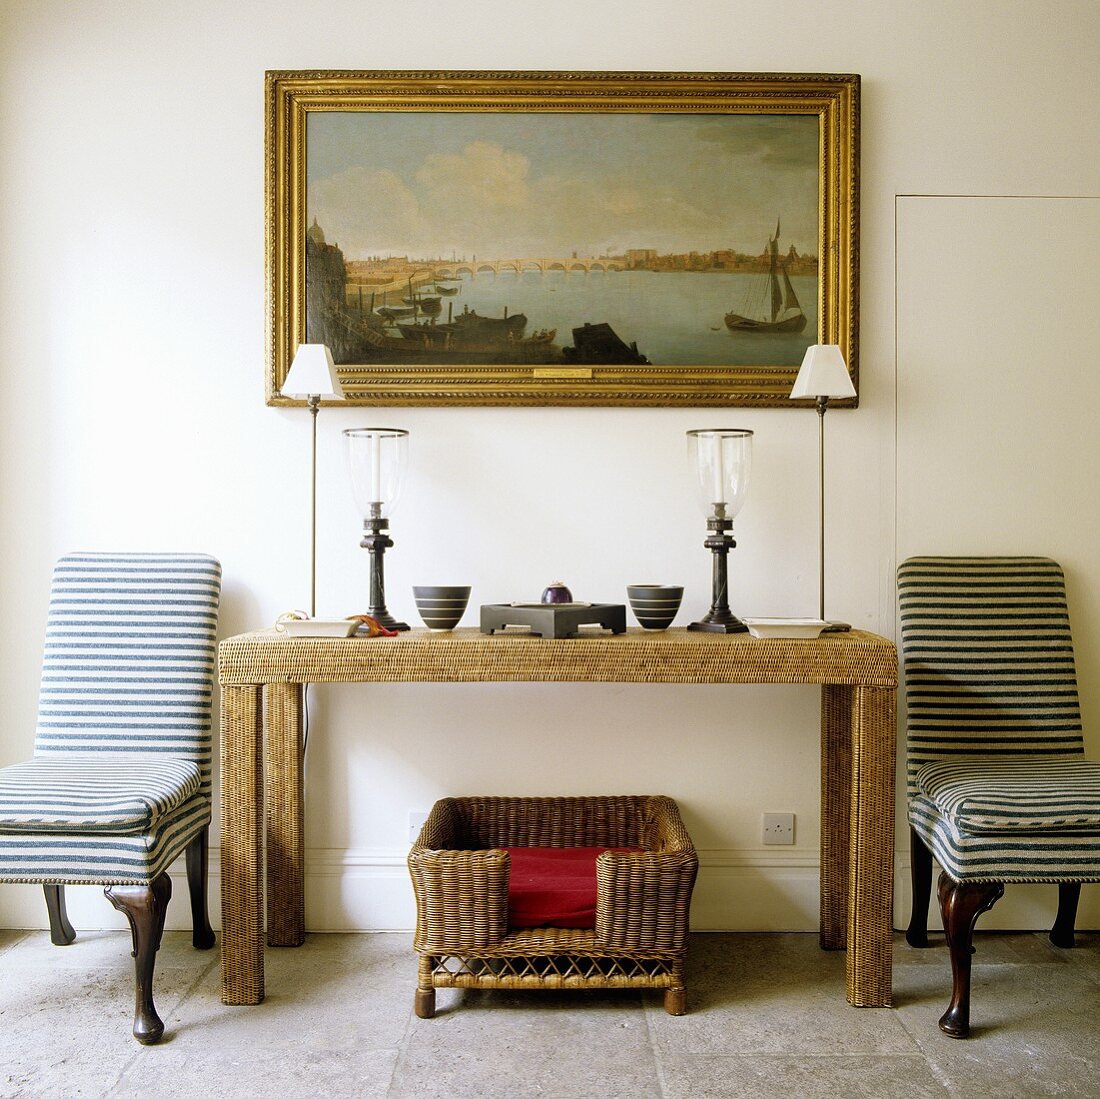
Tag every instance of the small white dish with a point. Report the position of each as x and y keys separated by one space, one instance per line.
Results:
x=785 y=627
x=317 y=627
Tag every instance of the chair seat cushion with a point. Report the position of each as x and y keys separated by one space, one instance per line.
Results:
x=1034 y=794
x=75 y=793
x=1020 y=856
x=554 y=886
x=102 y=858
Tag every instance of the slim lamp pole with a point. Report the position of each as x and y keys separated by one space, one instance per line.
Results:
x=822 y=404
x=823 y=374
x=314 y=405
x=311 y=377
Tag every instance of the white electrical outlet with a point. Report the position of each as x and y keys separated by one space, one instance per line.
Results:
x=416 y=822
x=778 y=828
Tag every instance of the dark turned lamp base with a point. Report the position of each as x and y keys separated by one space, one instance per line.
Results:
x=376 y=541
x=719 y=619
x=384 y=618
x=734 y=625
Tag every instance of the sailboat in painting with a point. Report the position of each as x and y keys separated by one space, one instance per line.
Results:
x=770 y=307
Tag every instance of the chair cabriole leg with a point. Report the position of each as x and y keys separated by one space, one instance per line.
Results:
x=145 y=907
x=61 y=931
x=198 y=861
x=961 y=903
x=920 y=861
x=1061 y=934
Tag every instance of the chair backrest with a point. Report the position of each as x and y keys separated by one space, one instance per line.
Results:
x=988 y=659
x=129 y=656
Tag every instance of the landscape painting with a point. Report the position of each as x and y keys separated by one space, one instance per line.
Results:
x=577 y=248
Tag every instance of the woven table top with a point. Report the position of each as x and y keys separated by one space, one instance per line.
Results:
x=856 y=658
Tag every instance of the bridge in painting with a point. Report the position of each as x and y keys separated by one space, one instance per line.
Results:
x=540 y=263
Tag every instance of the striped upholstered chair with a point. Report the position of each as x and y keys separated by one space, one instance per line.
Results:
x=999 y=790
x=119 y=785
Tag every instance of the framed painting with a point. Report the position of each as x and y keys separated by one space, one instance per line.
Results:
x=539 y=238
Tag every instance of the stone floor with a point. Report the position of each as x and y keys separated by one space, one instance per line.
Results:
x=767 y=1017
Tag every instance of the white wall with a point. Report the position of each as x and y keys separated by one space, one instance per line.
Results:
x=131 y=302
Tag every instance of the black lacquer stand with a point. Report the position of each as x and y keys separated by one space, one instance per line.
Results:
x=376 y=542
x=719 y=619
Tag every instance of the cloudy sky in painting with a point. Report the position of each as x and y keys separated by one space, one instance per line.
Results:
x=497 y=185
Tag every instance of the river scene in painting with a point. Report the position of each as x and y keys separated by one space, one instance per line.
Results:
x=675 y=318
x=591 y=239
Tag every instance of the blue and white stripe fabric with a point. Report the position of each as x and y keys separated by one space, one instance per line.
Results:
x=97 y=858
x=1002 y=795
x=999 y=789
x=77 y=792
x=121 y=776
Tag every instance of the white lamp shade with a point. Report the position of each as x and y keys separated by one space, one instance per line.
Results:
x=824 y=373
x=312 y=374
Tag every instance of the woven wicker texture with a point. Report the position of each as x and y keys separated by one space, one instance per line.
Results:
x=858 y=671
x=637 y=656
x=870 y=865
x=836 y=796
x=460 y=879
x=242 y=852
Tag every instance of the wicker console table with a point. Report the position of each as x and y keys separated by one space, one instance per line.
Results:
x=260 y=674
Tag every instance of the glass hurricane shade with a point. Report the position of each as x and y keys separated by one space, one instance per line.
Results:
x=823 y=373
x=312 y=374
x=377 y=457
x=722 y=460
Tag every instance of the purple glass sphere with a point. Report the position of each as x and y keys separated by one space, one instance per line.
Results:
x=557 y=592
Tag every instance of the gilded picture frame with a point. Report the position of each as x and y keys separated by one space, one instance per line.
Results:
x=654 y=205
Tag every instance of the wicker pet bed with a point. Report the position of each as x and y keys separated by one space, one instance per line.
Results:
x=460 y=877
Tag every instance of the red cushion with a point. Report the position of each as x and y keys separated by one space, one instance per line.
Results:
x=554 y=886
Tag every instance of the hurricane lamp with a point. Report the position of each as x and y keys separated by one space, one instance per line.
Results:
x=377 y=457
x=722 y=460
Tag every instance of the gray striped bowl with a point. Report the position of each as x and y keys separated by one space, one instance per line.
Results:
x=654 y=605
x=441 y=606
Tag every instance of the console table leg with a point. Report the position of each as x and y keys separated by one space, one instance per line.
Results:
x=871 y=863
x=242 y=848
x=836 y=809
x=286 y=920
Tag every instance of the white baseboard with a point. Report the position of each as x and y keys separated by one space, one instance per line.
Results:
x=736 y=891
x=367 y=889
